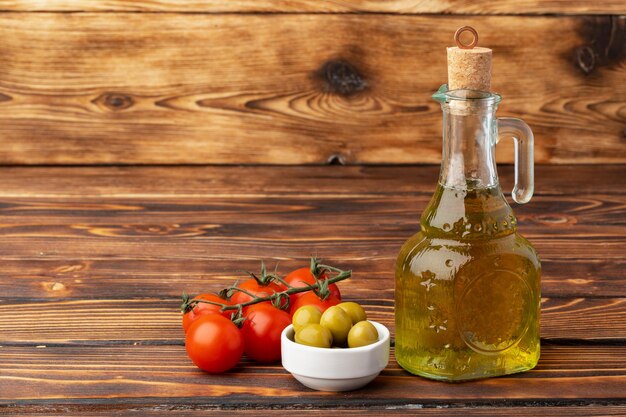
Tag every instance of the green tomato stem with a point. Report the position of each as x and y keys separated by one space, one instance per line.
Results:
x=282 y=281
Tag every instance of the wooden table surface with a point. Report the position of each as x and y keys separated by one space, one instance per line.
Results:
x=94 y=260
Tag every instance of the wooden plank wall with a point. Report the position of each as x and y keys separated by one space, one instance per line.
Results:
x=326 y=6
x=297 y=82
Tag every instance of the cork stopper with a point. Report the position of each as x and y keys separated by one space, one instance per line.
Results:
x=469 y=66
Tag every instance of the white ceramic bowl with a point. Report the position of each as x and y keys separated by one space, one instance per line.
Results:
x=335 y=369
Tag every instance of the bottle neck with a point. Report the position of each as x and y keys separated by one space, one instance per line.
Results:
x=469 y=138
x=468 y=203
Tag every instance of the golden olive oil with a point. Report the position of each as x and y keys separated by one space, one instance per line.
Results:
x=467 y=289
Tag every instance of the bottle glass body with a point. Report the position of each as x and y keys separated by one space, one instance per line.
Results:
x=468 y=285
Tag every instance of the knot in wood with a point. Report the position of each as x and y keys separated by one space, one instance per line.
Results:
x=556 y=219
x=603 y=43
x=5 y=97
x=54 y=286
x=341 y=77
x=154 y=229
x=65 y=269
x=585 y=58
x=115 y=101
x=336 y=159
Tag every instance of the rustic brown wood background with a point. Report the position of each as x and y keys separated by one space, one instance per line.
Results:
x=297 y=82
x=107 y=106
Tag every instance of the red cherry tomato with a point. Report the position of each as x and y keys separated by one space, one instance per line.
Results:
x=202 y=309
x=214 y=343
x=253 y=287
x=310 y=298
x=303 y=277
x=261 y=332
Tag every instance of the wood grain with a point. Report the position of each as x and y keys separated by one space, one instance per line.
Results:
x=118 y=253
x=91 y=410
x=113 y=230
x=117 y=88
x=165 y=374
x=94 y=258
x=86 y=277
x=326 y=6
x=588 y=217
x=78 y=245
x=73 y=248
x=309 y=181
x=127 y=321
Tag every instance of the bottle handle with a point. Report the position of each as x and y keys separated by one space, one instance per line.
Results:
x=524 y=160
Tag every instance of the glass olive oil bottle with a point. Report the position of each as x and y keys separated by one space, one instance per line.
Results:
x=468 y=285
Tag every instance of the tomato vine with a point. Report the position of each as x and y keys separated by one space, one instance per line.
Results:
x=279 y=299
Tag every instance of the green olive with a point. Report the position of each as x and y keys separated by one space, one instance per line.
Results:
x=362 y=334
x=306 y=315
x=338 y=322
x=354 y=310
x=314 y=335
